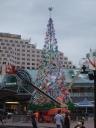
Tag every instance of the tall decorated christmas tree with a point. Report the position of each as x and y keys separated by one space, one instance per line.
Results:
x=50 y=77
x=50 y=50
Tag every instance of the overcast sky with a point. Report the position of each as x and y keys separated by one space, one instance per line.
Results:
x=74 y=22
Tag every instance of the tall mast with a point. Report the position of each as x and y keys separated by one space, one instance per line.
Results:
x=50 y=11
x=50 y=49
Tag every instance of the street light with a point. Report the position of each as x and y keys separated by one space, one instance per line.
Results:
x=92 y=76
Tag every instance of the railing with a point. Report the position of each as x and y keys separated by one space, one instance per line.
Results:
x=82 y=94
x=21 y=118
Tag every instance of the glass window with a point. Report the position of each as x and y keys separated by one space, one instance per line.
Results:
x=28 y=63
x=11 y=40
x=28 y=54
x=18 y=45
x=33 y=63
x=23 y=58
x=2 y=43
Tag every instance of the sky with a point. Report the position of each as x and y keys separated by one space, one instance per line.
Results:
x=74 y=22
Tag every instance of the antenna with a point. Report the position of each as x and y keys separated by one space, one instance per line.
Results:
x=50 y=11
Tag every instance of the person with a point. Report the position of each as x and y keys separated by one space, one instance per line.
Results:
x=82 y=125
x=66 y=121
x=58 y=119
x=63 y=115
x=33 y=119
x=1 y=119
x=83 y=119
x=78 y=125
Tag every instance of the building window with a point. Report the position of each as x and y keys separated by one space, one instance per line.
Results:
x=33 y=68
x=65 y=58
x=26 y=42
x=18 y=49
x=23 y=62
x=18 y=62
x=18 y=54
x=23 y=54
x=5 y=59
x=11 y=40
x=23 y=58
x=2 y=43
x=28 y=50
x=4 y=62
x=33 y=59
x=33 y=51
x=28 y=63
x=23 y=50
x=21 y=41
x=18 y=58
x=6 y=40
x=16 y=41
x=13 y=45
x=33 y=46
x=33 y=63
x=23 y=46
x=1 y=40
x=38 y=55
x=65 y=62
x=28 y=46
x=28 y=55
x=22 y=67
x=38 y=51
x=18 y=45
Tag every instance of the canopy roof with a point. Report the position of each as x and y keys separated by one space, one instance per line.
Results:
x=84 y=103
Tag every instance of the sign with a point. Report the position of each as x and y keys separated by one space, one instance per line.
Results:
x=10 y=69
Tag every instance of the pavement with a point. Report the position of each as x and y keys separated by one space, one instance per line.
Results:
x=10 y=124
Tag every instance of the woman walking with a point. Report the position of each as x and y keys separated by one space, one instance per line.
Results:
x=66 y=121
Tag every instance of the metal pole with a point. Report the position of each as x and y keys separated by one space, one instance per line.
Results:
x=94 y=98
x=36 y=88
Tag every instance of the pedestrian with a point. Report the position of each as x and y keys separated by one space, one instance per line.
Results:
x=78 y=125
x=58 y=119
x=63 y=115
x=66 y=121
x=82 y=125
x=1 y=118
x=33 y=119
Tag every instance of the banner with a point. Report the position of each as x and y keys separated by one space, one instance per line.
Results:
x=10 y=69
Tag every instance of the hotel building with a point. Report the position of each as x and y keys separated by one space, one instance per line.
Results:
x=22 y=53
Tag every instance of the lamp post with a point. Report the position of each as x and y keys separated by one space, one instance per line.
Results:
x=92 y=66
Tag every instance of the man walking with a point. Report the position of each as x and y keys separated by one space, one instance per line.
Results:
x=33 y=118
x=1 y=119
x=58 y=119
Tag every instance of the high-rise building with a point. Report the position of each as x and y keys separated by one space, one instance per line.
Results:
x=16 y=51
x=22 y=53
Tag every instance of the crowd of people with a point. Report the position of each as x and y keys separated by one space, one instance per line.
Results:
x=63 y=121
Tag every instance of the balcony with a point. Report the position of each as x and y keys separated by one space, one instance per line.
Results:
x=86 y=94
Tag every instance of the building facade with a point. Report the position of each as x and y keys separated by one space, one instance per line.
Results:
x=81 y=88
x=16 y=51
x=22 y=53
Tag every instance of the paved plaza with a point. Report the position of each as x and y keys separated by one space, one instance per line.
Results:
x=10 y=124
